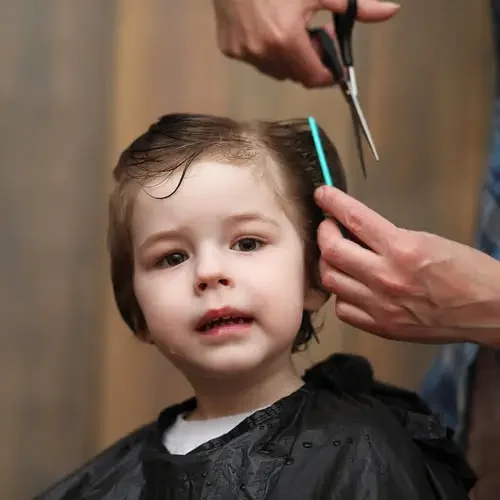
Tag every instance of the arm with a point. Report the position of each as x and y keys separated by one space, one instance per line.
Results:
x=271 y=34
x=410 y=286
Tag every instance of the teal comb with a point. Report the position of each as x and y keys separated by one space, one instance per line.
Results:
x=320 y=151
x=323 y=164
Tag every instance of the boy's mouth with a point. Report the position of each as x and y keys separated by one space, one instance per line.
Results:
x=221 y=317
x=224 y=321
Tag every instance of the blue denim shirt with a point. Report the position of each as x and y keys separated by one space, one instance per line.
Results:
x=446 y=384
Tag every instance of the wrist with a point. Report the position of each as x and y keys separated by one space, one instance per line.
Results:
x=483 y=326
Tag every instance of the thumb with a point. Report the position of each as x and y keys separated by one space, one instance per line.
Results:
x=368 y=10
x=325 y=197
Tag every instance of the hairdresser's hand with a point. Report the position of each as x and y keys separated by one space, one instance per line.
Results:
x=272 y=34
x=411 y=286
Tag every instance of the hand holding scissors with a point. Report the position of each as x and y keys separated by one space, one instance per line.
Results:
x=271 y=35
x=342 y=70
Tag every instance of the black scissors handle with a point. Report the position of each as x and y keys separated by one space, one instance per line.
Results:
x=329 y=55
x=344 y=25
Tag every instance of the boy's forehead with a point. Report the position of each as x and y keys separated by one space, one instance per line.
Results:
x=209 y=188
x=209 y=175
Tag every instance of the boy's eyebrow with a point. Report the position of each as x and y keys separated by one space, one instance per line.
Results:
x=160 y=235
x=250 y=217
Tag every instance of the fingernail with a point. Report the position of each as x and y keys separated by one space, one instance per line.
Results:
x=319 y=193
x=328 y=281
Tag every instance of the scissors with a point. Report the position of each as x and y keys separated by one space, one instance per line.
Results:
x=344 y=24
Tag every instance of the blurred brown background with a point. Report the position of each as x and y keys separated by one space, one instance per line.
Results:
x=79 y=80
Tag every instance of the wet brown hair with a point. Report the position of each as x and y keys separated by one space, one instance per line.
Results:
x=174 y=142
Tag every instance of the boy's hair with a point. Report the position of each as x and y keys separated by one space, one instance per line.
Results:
x=177 y=140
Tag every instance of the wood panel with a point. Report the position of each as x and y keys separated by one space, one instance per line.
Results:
x=55 y=58
x=74 y=92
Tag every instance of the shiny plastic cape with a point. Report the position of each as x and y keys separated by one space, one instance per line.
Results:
x=342 y=436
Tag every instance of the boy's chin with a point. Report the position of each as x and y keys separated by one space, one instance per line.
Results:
x=230 y=372
x=233 y=370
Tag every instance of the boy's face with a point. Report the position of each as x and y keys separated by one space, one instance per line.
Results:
x=222 y=245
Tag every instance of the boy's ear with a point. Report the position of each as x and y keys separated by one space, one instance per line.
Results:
x=314 y=299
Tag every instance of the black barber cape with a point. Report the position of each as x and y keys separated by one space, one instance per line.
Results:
x=342 y=436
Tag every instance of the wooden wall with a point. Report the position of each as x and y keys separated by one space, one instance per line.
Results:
x=79 y=81
x=56 y=60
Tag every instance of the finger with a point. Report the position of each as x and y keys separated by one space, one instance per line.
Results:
x=368 y=10
x=375 y=11
x=270 y=64
x=329 y=229
x=367 y=225
x=330 y=226
x=353 y=315
x=359 y=318
x=304 y=62
x=345 y=287
x=330 y=238
x=272 y=68
x=350 y=258
x=281 y=64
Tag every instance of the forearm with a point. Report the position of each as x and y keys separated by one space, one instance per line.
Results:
x=472 y=312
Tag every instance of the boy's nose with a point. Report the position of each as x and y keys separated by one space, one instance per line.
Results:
x=211 y=274
x=212 y=283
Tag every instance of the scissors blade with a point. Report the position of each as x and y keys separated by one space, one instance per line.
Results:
x=357 y=135
x=364 y=126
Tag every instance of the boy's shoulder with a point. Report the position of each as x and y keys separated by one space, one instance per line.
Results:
x=350 y=378
x=391 y=416
x=118 y=466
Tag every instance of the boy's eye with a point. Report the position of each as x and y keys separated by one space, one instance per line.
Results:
x=172 y=259
x=247 y=245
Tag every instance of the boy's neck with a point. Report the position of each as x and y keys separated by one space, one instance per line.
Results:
x=218 y=397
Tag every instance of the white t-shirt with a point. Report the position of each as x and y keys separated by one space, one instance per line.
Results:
x=184 y=435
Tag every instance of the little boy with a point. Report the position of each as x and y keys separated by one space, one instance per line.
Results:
x=212 y=239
